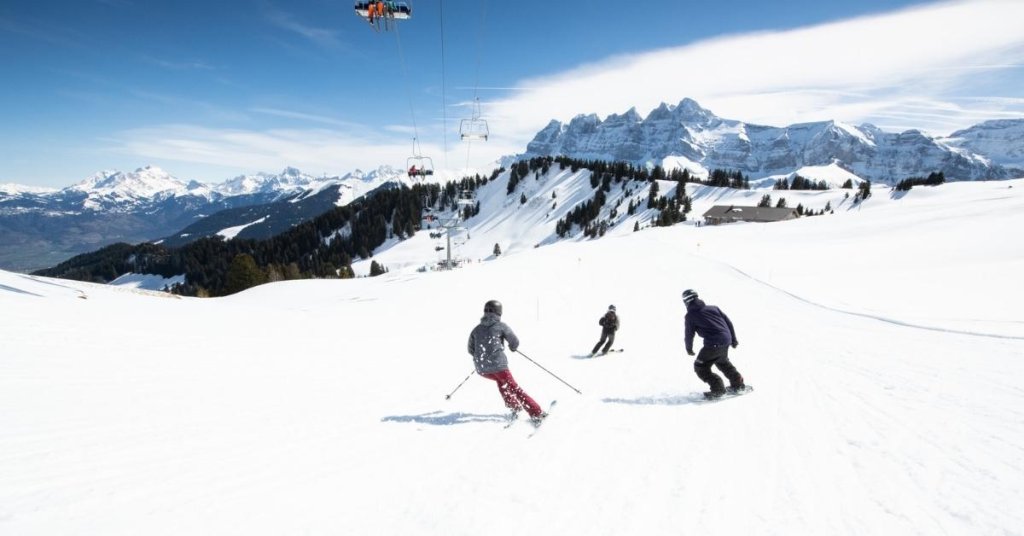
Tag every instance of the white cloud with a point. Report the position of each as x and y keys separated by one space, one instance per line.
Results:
x=314 y=150
x=853 y=70
x=321 y=36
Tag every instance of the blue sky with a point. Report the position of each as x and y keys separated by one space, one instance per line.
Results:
x=210 y=90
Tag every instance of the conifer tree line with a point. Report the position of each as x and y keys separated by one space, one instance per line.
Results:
x=323 y=247
x=801 y=183
x=933 y=179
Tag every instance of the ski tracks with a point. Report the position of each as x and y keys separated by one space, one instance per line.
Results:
x=862 y=315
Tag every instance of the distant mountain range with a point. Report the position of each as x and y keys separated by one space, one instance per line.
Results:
x=701 y=140
x=41 y=227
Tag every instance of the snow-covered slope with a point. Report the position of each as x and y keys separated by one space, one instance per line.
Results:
x=696 y=134
x=515 y=226
x=883 y=342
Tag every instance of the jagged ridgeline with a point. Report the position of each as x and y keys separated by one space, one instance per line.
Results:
x=322 y=247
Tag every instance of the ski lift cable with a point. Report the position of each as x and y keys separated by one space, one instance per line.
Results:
x=444 y=97
x=408 y=85
x=476 y=80
x=479 y=48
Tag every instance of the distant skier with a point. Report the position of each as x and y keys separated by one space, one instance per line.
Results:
x=487 y=346
x=609 y=325
x=716 y=329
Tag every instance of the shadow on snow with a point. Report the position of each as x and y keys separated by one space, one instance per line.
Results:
x=439 y=418
x=674 y=400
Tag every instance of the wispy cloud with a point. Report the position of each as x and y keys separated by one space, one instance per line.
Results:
x=45 y=32
x=209 y=110
x=315 y=150
x=320 y=36
x=185 y=65
x=307 y=117
x=855 y=70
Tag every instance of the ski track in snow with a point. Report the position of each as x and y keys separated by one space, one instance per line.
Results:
x=865 y=315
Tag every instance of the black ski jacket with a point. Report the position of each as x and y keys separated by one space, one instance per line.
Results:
x=610 y=322
x=710 y=323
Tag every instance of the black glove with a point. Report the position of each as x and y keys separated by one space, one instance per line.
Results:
x=690 y=352
x=735 y=344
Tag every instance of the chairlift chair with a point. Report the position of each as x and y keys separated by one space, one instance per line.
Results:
x=474 y=128
x=419 y=166
x=389 y=11
x=465 y=199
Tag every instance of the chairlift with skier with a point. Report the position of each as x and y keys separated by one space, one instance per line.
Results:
x=383 y=13
x=418 y=165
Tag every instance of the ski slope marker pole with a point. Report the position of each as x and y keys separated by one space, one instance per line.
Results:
x=449 y=395
x=549 y=372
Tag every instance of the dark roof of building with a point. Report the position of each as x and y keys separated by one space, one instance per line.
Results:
x=756 y=214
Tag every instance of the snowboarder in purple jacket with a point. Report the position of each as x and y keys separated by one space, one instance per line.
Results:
x=716 y=329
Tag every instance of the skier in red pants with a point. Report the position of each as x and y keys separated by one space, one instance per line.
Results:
x=487 y=346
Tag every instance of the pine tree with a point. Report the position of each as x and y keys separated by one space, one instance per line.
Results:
x=497 y=249
x=652 y=198
x=242 y=274
x=377 y=269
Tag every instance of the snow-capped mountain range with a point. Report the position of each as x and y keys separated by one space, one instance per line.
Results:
x=119 y=191
x=693 y=135
x=40 y=227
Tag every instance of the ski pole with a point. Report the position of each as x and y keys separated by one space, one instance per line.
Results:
x=549 y=372
x=449 y=395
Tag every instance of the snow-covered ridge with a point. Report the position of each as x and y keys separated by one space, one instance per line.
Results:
x=10 y=188
x=120 y=191
x=696 y=134
x=1001 y=140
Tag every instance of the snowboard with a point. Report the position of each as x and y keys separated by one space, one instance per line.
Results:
x=703 y=397
x=612 y=351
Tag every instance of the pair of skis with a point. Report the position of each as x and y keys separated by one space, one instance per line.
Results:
x=612 y=351
x=535 y=423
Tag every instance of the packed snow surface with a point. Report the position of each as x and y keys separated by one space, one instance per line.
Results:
x=884 y=343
